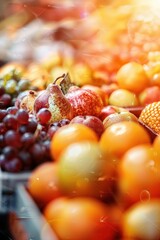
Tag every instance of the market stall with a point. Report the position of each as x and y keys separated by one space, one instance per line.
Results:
x=80 y=120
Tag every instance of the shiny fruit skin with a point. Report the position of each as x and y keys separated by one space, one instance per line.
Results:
x=123 y=98
x=142 y=221
x=103 y=95
x=90 y=121
x=156 y=144
x=56 y=102
x=118 y=117
x=138 y=174
x=121 y=136
x=81 y=218
x=68 y=134
x=131 y=76
x=107 y=110
x=84 y=101
x=149 y=95
x=84 y=170
x=43 y=183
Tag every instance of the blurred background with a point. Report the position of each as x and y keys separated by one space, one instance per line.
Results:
x=99 y=33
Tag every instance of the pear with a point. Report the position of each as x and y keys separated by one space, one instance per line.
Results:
x=54 y=99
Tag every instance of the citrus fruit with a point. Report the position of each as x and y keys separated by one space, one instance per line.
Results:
x=68 y=134
x=43 y=183
x=84 y=170
x=82 y=218
x=138 y=174
x=121 y=136
x=142 y=221
x=131 y=76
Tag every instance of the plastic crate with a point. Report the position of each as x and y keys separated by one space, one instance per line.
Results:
x=8 y=184
x=33 y=224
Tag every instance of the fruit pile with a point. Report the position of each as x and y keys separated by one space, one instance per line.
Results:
x=86 y=126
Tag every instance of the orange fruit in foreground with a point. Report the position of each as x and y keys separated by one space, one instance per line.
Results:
x=150 y=116
x=121 y=136
x=68 y=134
x=43 y=183
x=132 y=76
x=82 y=218
x=139 y=174
x=156 y=144
x=84 y=170
x=142 y=221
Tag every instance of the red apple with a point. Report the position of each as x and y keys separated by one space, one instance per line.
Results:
x=84 y=101
x=90 y=121
x=149 y=95
x=110 y=109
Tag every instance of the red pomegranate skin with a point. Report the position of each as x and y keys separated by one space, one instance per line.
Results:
x=84 y=102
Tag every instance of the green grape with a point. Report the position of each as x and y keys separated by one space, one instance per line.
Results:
x=17 y=74
x=10 y=86
x=2 y=83
x=7 y=76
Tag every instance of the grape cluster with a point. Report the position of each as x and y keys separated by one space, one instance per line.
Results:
x=11 y=85
x=24 y=141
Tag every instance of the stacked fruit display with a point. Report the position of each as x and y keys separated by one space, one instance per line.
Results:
x=87 y=148
x=86 y=126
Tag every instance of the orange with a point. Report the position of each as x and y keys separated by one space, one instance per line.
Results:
x=121 y=136
x=156 y=144
x=138 y=174
x=84 y=170
x=132 y=76
x=43 y=183
x=82 y=218
x=142 y=221
x=68 y=134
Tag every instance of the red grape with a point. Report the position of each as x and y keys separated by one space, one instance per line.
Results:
x=10 y=121
x=32 y=125
x=2 y=143
x=26 y=159
x=27 y=139
x=22 y=116
x=3 y=113
x=44 y=115
x=12 y=110
x=12 y=138
x=52 y=130
x=9 y=152
x=14 y=166
x=5 y=100
x=3 y=128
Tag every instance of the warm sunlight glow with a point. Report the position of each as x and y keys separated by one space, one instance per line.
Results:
x=151 y=4
x=145 y=24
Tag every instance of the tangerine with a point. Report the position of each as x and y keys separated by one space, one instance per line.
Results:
x=43 y=183
x=71 y=133
x=121 y=136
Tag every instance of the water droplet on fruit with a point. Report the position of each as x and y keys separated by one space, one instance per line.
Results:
x=145 y=195
x=103 y=219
